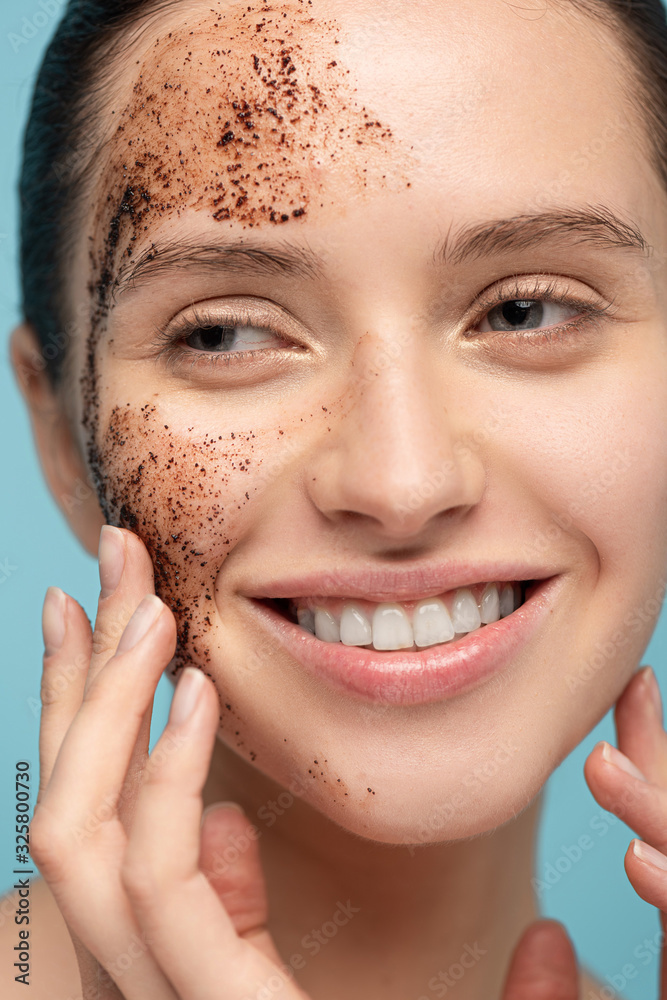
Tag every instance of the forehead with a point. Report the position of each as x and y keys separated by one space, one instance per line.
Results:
x=241 y=111
x=271 y=115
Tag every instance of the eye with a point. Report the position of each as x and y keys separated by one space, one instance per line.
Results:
x=535 y=313
x=524 y=314
x=225 y=335
x=229 y=338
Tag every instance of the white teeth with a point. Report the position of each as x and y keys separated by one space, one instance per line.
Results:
x=391 y=627
x=355 y=628
x=490 y=605
x=465 y=613
x=506 y=600
x=306 y=619
x=431 y=623
x=326 y=626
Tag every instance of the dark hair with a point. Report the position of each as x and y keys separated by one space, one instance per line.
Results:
x=60 y=145
x=60 y=148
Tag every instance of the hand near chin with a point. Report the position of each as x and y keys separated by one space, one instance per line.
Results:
x=117 y=833
x=631 y=782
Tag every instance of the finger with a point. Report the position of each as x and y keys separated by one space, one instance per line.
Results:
x=616 y=783
x=67 y=645
x=105 y=934
x=543 y=964
x=647 y=871
x=110 y=716
x=110 y=947
x=640 y=804
x=161 y=871
x=639 y=727
x=229 y=858
x=126 y=576
x=67 y=648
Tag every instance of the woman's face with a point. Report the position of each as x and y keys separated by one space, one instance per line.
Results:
x=323 y=185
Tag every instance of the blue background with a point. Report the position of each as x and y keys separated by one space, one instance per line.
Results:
x=604 y=915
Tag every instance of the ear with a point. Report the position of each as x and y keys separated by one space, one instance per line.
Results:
x=57 y=444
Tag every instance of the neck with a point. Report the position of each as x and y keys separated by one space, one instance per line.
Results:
x=372 y=920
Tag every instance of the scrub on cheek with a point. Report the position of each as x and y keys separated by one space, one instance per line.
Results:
x=173 y=491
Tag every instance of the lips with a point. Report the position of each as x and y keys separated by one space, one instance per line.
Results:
x=405 y=678
x=409 y=583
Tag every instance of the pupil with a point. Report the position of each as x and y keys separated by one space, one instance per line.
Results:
x=517 y=312
x=212 y=337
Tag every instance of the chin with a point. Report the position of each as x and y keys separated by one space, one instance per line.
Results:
x=400 y=816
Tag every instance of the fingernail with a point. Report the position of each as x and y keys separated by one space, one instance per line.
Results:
x=615 y=756
x=140 y=622
x=111 y=557
x=222 y=805
x=53 y=620
x=647 y=853
x=186 y=696
x=652 y=690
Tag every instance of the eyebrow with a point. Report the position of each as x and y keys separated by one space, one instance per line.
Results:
x=597 y=225
x=235 y=256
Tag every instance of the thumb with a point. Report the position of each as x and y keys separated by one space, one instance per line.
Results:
x=543 y=965
x=229 y=858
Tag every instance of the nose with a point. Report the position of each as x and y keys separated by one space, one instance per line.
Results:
x=394 y=458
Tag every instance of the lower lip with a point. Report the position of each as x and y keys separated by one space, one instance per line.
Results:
x=420 y=676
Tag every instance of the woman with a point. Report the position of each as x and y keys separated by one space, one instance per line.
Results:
x=365 y=364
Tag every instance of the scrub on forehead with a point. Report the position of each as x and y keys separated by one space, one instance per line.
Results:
x=236 y=117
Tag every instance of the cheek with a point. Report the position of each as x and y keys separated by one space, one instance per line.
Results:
x=187 y=498
x=594 y=457
x=593 y=461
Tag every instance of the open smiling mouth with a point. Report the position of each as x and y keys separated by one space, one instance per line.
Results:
x=405 y=652
x=404 y=625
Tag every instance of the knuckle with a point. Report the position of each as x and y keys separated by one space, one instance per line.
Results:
x=52 y=688
x=140 y=881
x=48 y=843
x=105 y=638
x=48 y=692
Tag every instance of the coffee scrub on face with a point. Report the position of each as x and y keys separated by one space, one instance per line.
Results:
x=247 y=130
x=365 y=351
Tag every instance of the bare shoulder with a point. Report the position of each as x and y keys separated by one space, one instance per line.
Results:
x=52 y=970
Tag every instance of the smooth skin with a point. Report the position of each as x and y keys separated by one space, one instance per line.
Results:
x=551 y=448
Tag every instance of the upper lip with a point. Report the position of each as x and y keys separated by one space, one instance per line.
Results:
x=405 y=584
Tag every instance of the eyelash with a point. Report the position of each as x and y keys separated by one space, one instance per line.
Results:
x=592 y=314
